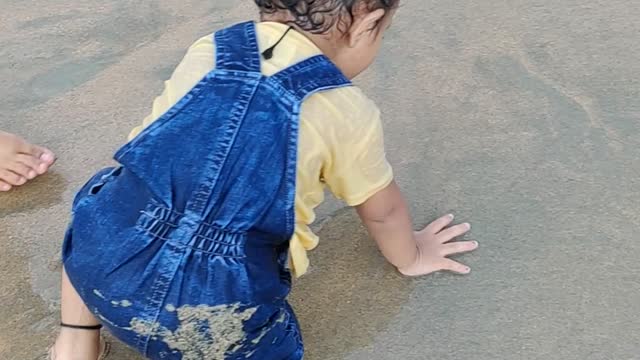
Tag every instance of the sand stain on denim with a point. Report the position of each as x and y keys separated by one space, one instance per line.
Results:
x=191 y=341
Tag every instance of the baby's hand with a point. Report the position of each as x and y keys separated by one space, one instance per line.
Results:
x=434 y=245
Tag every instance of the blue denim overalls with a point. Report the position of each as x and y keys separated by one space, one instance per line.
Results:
x=182 y=250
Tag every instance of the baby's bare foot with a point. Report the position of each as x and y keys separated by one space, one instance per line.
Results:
x=21 y=161
x=79 y=345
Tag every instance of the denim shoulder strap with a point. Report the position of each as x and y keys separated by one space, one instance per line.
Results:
x=309 y=76
x=237 y=48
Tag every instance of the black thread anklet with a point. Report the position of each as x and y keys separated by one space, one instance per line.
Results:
x=81 y=327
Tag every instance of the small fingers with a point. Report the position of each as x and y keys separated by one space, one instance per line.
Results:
x=454 y=266
x=459 y=247
x=11 y=178
x=437 y=226
x=453 y=232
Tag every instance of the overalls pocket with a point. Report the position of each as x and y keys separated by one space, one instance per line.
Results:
x=95 y=184
x=105 y=179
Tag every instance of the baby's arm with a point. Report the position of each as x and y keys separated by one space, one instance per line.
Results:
x=357 y=171
x=387 y=218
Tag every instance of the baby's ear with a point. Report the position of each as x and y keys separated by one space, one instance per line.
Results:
x=363 y=24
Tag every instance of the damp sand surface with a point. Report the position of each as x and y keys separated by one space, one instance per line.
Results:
x=521 y=117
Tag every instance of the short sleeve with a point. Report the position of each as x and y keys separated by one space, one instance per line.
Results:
x=198 y=61
x=357 y=167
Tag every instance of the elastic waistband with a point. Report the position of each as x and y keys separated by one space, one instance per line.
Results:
x=163 y=223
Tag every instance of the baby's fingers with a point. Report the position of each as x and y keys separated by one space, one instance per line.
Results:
x=458 y=247
x=436 y=226
x=456 y=267
x=453 y=232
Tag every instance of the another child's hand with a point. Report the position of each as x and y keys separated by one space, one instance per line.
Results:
x=434 y=245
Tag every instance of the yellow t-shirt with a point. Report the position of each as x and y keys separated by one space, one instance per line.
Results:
x=340 y=141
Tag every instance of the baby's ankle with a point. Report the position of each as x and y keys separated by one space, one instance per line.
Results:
x=77 y=345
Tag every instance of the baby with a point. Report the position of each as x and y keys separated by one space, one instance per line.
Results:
x=186 y=250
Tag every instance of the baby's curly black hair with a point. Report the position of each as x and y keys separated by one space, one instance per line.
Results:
x=319 y=16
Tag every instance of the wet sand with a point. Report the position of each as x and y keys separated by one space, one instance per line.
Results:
x=521 y=117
